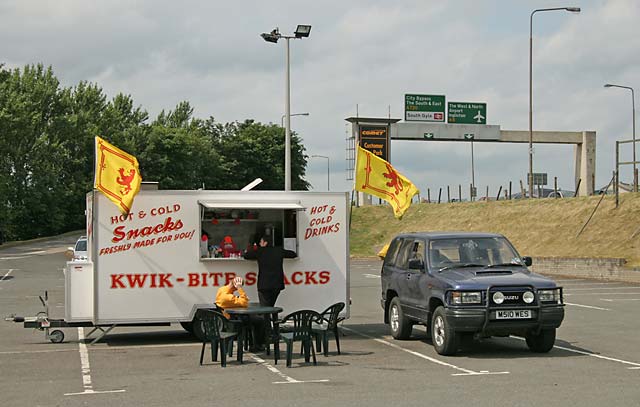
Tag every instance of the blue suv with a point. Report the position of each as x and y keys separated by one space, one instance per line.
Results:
x=465 y=286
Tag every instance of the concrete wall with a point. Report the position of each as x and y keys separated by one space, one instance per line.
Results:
x=611 y=269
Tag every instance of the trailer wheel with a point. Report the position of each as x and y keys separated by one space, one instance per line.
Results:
x=56 y=336
x=198 y=330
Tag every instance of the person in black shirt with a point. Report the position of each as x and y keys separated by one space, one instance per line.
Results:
x=270 y=271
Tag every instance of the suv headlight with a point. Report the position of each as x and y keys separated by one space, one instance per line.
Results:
x=466 y=297
x=550 y=296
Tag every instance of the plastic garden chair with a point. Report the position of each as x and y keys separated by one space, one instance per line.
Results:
x=299 y=329
x=214 y=324
x=329 y=323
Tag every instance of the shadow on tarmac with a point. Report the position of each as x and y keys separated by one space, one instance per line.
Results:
x=489 y=348
x=513 y=348
x=172 y=337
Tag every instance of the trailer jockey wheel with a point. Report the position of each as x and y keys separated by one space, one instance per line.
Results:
x=56 y=336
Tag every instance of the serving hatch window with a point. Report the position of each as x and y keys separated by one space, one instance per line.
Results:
x=227 y=229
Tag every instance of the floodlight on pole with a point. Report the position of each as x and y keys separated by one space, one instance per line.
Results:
x=302 y=31
x=633 y=110
x=570 y=9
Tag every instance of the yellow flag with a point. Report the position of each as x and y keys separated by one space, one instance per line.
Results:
x=117 y=175
x=377 y=177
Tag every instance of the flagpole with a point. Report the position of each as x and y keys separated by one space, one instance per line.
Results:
x=95 y=161
x=353 y=188
x=351 y=207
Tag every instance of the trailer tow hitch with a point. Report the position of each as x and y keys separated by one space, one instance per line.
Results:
x=40 y=322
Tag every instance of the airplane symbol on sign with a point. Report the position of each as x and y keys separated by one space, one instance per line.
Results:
x=479 y=117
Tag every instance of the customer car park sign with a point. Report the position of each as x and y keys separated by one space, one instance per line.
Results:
x=467 y=113
x=424 y=108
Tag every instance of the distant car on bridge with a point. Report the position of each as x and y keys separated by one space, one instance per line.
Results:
x=546 y=193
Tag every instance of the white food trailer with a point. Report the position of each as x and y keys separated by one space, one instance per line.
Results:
x=161 y=262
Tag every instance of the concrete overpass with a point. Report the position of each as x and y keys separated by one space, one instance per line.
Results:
x=584 y=141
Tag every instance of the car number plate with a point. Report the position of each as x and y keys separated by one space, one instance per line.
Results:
x=513 y=314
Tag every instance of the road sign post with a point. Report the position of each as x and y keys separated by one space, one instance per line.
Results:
x=539 y=178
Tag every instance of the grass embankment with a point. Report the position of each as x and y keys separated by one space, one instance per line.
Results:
x=539 y=228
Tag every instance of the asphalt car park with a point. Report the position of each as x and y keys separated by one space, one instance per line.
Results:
x=595 y=360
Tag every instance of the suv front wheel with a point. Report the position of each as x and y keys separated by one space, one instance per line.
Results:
x=400 y=325
x=541 y=342
x=444 y=338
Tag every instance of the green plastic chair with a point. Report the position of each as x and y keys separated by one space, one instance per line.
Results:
x=214 y=326
x=298 y=329
x=329 y=323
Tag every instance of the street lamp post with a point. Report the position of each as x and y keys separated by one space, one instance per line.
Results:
x=473 y=176
x=633 y=109
x=302 y=31
x=573 y=10
x=291 y=115
x=324 y=156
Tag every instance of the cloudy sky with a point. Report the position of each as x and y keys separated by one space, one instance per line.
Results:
x=360 y=53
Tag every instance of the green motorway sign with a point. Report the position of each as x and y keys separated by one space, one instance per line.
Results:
x=424 y=108
x=467 y=113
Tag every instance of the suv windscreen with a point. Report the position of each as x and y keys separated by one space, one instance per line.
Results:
x=483 y=251
x=81 y=246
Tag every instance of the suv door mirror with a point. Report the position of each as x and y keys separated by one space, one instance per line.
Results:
x=527 y=260
x=416 y=264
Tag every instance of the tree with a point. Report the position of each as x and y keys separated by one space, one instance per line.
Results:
x=30 y=106
x=178 y=152
x=253 y=150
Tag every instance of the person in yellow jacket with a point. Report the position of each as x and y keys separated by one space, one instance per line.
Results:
x=232 y=296
x=383 y=252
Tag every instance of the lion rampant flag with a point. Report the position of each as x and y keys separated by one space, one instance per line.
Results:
x=377 y=177
x=117 y=175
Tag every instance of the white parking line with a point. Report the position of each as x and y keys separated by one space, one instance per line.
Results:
x=288 y=379
x=371 y=276
x=465 y=372
x=587 y=306
x=5 y=276
x=86 y=369
x=634 y=365
x=618 y=285
x=602 y=294
x=619 y=299
x=605 y=288
x=20 y=352
x=570 y=280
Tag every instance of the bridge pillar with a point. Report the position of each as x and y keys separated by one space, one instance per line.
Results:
x=585 y=163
